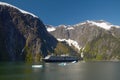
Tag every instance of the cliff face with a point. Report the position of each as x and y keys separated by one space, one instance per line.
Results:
x=22 y=35
x=96 y=40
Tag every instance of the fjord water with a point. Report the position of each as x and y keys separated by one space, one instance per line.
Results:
x=54 y=71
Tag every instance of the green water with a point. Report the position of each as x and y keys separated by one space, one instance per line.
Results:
x=55 y=71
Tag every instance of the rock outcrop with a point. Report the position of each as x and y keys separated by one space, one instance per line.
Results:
x=96 y=40
x=23 y=35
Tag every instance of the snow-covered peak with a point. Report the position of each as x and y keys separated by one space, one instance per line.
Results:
x=25 y=12
x=100 y=23
x=64 y=26
x=79 y=24
x=50 y=29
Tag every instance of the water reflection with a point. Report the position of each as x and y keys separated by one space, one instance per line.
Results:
x=53 y=71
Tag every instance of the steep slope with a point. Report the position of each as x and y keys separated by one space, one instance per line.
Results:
x=23 y=35
x=90 y=38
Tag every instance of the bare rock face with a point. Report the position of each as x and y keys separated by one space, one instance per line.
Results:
x=22 y=35
x=97 y=40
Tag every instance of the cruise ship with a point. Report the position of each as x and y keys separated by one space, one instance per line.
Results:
x=50 y=58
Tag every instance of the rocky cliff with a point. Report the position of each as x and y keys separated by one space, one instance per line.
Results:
x=23 y=35
x=96 y=40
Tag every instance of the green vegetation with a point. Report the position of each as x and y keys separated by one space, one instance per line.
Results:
x=102 y=48
x=64 y=49
x=61 y=49
x=30 y=57
x=38 y=57
x=28 y=54
x=28 y=51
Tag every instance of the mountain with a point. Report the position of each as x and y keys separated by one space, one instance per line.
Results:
x=23 y=35
x=95 y=40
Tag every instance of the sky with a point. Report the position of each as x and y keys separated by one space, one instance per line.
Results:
x=70 y=12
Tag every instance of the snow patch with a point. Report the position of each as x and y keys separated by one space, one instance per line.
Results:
x=50 y=29
x=71 y=42
x=79 y=24
x=64 y=26
x=70 y=28
x=102 y=24
x=25 y=12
